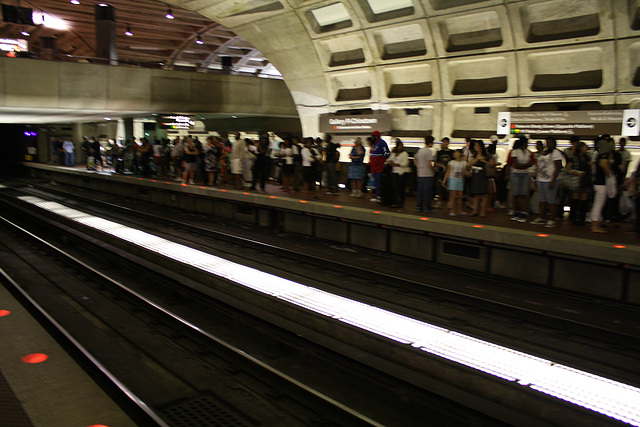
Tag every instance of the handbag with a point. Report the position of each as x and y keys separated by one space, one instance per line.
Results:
x=489 y=171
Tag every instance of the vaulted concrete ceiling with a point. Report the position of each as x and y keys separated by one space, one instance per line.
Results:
x=446 y=66
x=155 y=41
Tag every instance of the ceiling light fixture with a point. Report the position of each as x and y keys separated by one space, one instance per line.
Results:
x=169 y=14
x=75 y=2
x=24 y=32
x=128 y=32
x=199 y=40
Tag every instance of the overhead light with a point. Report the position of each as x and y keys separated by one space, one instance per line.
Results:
x=128 y=32
x=107 y=118
x=169 y=14
x=25 y=33
x=75 y=2
x=199 y=40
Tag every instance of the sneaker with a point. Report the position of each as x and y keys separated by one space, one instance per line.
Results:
x=538 y=221
x=522 y=219
x=373 y=199
x=550 y=224
x=353 y=193
x=515 y=218
x=192 y=182
x=452 y=214
x=511 y=212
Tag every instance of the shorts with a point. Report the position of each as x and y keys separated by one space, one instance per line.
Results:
x=546 y=194
x=190 y=166
x=356 y=171
x=288 y=169
x=308 y=174
x=519 y=184
x=455 y=184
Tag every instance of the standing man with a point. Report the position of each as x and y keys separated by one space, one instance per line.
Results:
x=69 y=152
x=332 y=157
x=377 y=157
x=625 y=157
x=425 y=173
x=549 y=167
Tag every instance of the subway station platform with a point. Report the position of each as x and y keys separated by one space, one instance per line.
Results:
x=566 y=257
x=40 y=384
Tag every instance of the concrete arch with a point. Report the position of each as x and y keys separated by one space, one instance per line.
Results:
x=456 y=62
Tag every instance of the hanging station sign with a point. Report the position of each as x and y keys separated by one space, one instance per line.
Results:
x=567 y=123
x=176 y=122
x=361 y=124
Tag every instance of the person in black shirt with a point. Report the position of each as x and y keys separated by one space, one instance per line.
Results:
x=443 y=157
x=332 y=156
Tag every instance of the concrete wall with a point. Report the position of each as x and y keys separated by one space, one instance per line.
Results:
x=28 y=84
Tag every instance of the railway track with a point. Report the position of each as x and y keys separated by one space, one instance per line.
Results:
x=179 y=352
x=407 y=295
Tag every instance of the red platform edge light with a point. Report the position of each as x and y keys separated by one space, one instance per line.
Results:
x=167 y=182
x=619 y=246
x=97 y=425
x=4 y=313
x=204 y=188
x=246 y=194
x=424 y=219
x=478 y=226
x=34 y=358
x=272 y=197
x=337 y=206
x=542 y=235
x=223 y=190
x=153 y=180
x=303 y=201
x=377 y=212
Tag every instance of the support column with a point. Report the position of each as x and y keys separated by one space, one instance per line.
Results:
x=78 y=134
x=128 y=128
x=106 y=47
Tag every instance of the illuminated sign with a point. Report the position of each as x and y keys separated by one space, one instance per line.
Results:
x=13 y=45
x=567 y=123
x=176 y=122
x=331 y=123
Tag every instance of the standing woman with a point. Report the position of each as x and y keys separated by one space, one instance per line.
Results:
x=579 y=167
x=399 y=160
x=603 y=171
x=190 y=160
x=211 y=154
x=478 y=159
x=356 y=168
x=286 y=154
x=454 y=182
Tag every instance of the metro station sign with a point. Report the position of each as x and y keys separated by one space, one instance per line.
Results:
x=361 y=124
x=176 y=122
x=568 y=123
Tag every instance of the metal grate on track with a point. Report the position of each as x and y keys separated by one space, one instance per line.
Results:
x=201 y=411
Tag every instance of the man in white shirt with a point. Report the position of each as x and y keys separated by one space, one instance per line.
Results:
x=425 y=172
x=549 y=166
x=69 y=152
x=625 y=155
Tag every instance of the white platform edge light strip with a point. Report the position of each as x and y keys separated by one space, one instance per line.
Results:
x=608 y=397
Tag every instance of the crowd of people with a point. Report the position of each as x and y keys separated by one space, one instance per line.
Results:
x=591 y=180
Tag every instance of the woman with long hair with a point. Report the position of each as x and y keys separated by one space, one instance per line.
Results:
x=478 y=159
